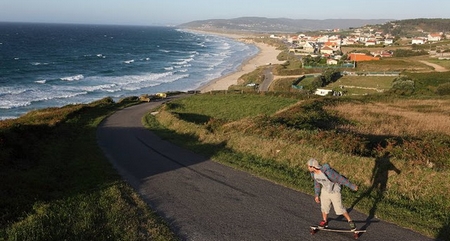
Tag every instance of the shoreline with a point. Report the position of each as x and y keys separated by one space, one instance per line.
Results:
x=266 y=55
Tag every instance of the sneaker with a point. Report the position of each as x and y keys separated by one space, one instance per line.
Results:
x=323 y=224
x=352 y=225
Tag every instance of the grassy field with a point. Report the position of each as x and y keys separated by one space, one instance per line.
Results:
x=57 y=184
x=443 y=63
x=393 y=64
x=382 y=143
x=360 y=85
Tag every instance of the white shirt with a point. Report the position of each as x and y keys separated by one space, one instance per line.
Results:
x=327 y=185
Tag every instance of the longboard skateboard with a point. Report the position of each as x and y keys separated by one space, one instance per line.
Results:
x=315 y=229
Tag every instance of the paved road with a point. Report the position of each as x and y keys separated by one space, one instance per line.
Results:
x=204 y=201
x=268 y=78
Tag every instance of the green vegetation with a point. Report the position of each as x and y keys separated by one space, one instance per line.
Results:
x=401 y=165
x=358 y=85
x=392 y=64
x=408 y=53
x=410 y=27
x=57 y=184
x=443 y=63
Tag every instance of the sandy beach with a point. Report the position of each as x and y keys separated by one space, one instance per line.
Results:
x=267 y=55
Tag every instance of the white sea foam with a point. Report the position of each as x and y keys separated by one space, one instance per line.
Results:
x=146 y=81
x=10 y=90
x=7 y=117
x=188 y=66
x=13 y=103
x=184 y=61
x=225 y=46
x=73 y=78
x=38 y=63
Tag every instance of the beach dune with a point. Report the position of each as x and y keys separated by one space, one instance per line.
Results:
x=267 y=55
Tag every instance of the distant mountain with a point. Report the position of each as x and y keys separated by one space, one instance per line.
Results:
x=278 y=25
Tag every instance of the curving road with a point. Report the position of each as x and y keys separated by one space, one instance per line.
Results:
x=204 y=201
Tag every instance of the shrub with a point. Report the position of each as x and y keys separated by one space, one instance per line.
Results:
x=443 y=89
x=403 y=85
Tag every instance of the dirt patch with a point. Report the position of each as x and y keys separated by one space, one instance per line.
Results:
x=436 y=67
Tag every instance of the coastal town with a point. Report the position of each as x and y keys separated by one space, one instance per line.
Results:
x=329 y=45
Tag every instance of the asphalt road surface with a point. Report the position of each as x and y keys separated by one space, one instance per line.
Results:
x=268 y=78
x=205 y=201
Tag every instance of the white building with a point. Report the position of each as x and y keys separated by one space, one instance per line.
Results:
x=323 y=92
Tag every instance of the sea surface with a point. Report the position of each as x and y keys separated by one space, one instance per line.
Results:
x=52 y=65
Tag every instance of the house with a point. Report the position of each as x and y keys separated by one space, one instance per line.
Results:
x=326 y=50
x=334 y=45
x=309 y=47
x=418 y=41
x=435 y=37
x=332 y=62
x=382 y=53
x=349 y=42
x=371 y=43
x=323 y=92
x=323 y=39
x=293 y=39
x=275 y=36
x=389 y=41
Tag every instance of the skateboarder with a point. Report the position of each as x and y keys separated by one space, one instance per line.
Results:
x=327 y=189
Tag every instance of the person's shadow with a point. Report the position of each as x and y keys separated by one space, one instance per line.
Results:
x=379 y=179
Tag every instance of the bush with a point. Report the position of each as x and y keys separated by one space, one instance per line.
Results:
x=403 y=85
x=443 y=89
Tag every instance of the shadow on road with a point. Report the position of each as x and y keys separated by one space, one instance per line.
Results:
x=444 y=233
x=379 y=179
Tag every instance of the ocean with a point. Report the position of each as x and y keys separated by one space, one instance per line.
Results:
x=52 y=65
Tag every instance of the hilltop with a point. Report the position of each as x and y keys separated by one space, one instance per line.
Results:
x=277 y=25
x=416 y=27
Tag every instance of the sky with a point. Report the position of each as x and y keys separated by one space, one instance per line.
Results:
x=174 y=12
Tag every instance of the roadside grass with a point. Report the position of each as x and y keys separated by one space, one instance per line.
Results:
x=58 y=185
x=254 y=103
x=401 y=165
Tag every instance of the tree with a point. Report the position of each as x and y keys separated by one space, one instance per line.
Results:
x=330 y=75
x=403 y=85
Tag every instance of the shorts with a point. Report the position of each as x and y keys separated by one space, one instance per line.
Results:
x=326 y=199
